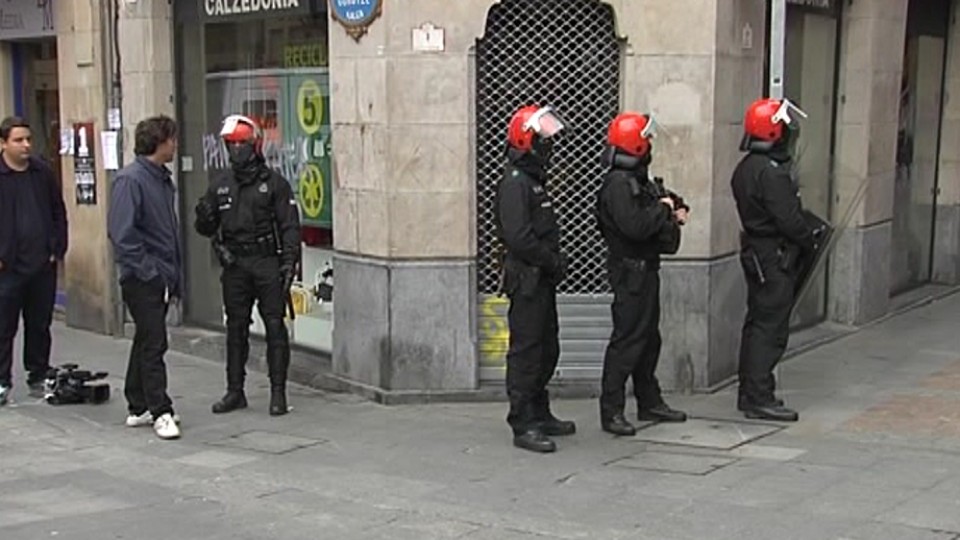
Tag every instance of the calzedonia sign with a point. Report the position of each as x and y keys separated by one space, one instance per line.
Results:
x=229 y=9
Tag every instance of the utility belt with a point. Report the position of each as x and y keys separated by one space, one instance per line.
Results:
x=264 y=245
x=634 y=265
x=760 y=255
x=519 y=278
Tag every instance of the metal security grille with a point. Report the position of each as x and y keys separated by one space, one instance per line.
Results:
x=563 y=53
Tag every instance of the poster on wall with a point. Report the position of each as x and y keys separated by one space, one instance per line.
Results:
x=84 y=164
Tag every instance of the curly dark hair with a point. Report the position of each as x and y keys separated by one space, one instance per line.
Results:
x=152 y=132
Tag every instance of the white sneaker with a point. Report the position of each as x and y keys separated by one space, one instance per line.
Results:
x=145 y=419
x=4 y=394
x=166 y=427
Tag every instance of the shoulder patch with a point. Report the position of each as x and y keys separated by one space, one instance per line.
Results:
x=223 y=190
x=263 y=187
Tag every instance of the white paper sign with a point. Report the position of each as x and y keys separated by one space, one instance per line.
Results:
x=66 y=142
x=428 y=38
x=108 y=142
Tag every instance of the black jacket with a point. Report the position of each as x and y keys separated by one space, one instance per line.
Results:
x=40 y=186
x=143 y=226
x=524 y=217
x=633 y=221
x=768 y=201
x=251 y=209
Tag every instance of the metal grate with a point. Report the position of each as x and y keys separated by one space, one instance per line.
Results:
x=563 y=53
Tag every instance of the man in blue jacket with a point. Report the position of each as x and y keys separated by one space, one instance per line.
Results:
x=33 y=238
x=144 y=230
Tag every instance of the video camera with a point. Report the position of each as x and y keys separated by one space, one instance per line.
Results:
x=67 y=384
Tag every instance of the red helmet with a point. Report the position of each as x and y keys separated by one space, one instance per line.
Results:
x=765 y=119
x=631 y=132
x=532 y=121
x=238 y=128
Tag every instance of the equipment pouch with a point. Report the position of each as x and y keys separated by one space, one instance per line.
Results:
x=520 y=279
x=752 y=267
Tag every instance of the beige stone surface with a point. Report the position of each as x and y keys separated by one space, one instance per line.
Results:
x=430 y=158
x=431 y=225
x=678 y=27
x=428 y=89
x=374 y=223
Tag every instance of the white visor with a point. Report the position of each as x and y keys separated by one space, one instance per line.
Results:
x=650 y=130
x=545 y=123
x=783 y=113
x=230 y=124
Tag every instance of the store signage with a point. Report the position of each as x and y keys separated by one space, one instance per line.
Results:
x=355 y=16
x=24 y=19
x=223 y=9
x=84 y=164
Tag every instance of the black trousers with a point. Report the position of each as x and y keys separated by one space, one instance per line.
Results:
x=30 y=296
x=634 y=348
x=766 y=328
x=532 y=356
x=146 y=384
x=255 y=279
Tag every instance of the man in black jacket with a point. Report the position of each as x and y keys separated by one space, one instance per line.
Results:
x=33 y=240
x=252 y=215
x=775 y=238
x=532 y=268
x=143 y=227
x=639 y=221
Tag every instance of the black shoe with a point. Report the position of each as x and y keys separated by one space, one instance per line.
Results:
x=618 y=425
x=775 y=412
x=278 y=401
x=37 y=389
x=555 y=427
x=230 y=402
x=743 y=404
x=661 y=413
x=535 y=441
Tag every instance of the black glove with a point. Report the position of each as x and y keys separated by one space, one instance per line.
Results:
x=287 y=273
x=559 y=270
x=205 y=211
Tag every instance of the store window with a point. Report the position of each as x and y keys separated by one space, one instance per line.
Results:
x=275 y=70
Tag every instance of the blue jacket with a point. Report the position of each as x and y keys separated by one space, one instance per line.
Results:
x=47 y=214
x=142 y=224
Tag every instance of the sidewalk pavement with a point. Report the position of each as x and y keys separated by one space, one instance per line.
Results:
x=875 y=456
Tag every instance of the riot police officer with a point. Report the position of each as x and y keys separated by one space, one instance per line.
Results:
x=533 y=266
x=252 y=215
x=775 y=237
x=639 y=220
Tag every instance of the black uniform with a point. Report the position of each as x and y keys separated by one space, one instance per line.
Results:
x=637 y=229
x=775 y=238
x=258 y=243
x=527 y=226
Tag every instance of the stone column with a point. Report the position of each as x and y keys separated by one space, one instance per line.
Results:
x=146 y=68
x=405 y=218
x=946 y=247
x=697 y=82
x=6 y=83
x=89 y=269
x=870 y=75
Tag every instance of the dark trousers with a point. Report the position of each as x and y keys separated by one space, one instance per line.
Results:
x=766 y=328
x=146 y=383
x=634 y=348
x=532 y=356
x=30 y=296
x=255 y=278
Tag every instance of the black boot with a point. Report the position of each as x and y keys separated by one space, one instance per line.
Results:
x=534 y=440
x=618 y=425
x=555 y=427
x=743 y=403
x=231 y=401
x=661 y=413
x=772 y=411
x=278 y=400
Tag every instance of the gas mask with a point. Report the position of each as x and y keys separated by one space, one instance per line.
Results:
x=242 y=154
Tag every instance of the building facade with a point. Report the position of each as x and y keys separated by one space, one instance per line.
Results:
x=389 y=123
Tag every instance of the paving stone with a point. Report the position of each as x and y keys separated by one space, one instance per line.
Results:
x=722 y=435
x=674 y=463
x=773 y=453
x=216 y=460
x=267 y=442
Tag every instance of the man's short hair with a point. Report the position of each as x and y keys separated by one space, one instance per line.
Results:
x=152 y=132
x=11 y=122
